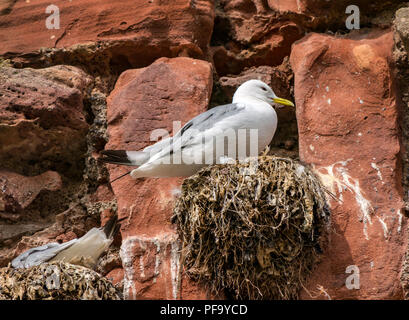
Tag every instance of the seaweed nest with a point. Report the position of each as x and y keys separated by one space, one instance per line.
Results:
x=55 y=281
x=254 y=229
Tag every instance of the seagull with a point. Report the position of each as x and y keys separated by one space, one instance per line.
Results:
x=84 y=251
x=194 y=146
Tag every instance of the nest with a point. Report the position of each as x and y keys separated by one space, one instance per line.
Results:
x=55 y=281
x=253 y=229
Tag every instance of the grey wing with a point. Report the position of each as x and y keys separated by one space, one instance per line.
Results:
x=208 y=119
x=158 y=146
x=188 y=134
x=205 y=121
x=39 y=255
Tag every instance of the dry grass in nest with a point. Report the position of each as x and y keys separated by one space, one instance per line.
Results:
x=55 y=281
x=255 y=229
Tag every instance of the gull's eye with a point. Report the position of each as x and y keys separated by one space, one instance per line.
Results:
x=264 y=89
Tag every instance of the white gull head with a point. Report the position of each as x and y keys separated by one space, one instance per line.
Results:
x=258 y=90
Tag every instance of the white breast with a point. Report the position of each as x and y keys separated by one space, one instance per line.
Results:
x=263 y=117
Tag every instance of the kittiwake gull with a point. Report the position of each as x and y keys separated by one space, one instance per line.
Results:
x=83 y=251
x=250 y=121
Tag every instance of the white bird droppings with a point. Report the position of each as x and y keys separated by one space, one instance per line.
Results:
x=400 y=220
x=167 y=250
x=175 y=268
x=176 y=192
x=337 y=176
x=373 y=165
x=384 y=227
x=299 y=170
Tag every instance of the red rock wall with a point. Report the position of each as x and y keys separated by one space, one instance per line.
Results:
x=152 y=98
x=347 y=113
x=117 y=70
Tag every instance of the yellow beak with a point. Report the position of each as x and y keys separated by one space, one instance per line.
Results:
x=284 y=102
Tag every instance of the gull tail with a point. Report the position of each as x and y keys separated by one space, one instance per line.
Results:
x=128 y=158
x=112 y=227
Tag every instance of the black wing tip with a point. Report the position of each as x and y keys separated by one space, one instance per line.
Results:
x=112 y=226
x=114 y=153
x=115 y=157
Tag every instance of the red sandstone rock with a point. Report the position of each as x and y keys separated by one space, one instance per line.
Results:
x=43 y=128
x=348 y=131
x=323 y=13
x=19 y=191
x=144 y=100
x=277 y=78
x=104 y=194
x=312 y=7
x=258 y=36
x=167 y=28
x=42 y=118
x=65 y=237
x=116 y=275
